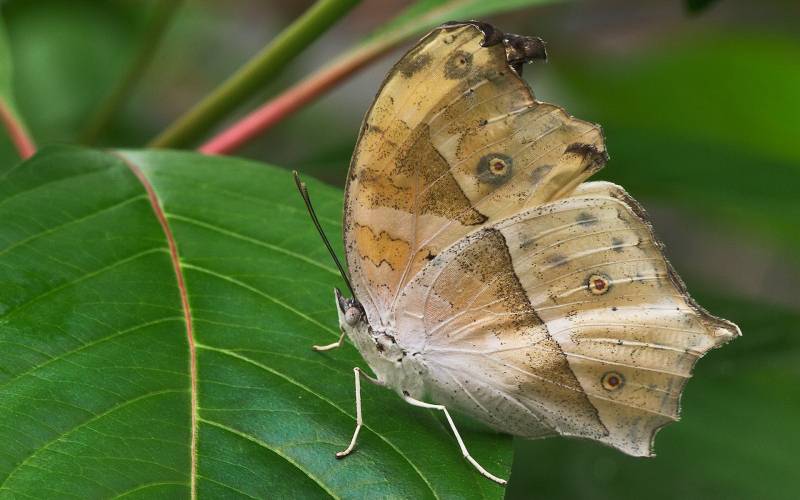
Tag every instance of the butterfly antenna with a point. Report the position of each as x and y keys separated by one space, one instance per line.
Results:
x=301 y=186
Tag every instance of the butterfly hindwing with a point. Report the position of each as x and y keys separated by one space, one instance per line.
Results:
x=609 y=310
x=596 y=274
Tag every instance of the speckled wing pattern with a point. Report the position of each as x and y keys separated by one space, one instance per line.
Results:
x=540 y=304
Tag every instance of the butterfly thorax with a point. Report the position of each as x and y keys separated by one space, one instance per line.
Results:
x=390 y=361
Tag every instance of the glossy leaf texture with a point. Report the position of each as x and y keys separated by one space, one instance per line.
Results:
x=95 y=368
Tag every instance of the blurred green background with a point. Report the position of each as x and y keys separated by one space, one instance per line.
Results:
x=702 y=118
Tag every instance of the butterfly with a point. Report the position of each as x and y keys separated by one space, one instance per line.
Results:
x=488 y=277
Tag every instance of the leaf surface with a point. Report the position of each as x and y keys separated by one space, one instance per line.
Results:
x=97 y=394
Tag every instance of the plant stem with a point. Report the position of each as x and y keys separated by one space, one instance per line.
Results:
x=17 y=132
x=288 y=102
x=159 y=22
x=255 y=74
x=309 y=89
x=313 y=86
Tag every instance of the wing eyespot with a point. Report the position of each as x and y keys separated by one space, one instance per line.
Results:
x=458 y=65
x=612 y=381
x=495 y=168
x=598 y=284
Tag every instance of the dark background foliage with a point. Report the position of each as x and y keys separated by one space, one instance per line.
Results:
x=701 y=109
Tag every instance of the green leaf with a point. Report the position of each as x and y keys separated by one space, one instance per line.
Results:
x=737 y=438
x=96 y=395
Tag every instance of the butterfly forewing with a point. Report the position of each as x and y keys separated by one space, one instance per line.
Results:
x=455 y=140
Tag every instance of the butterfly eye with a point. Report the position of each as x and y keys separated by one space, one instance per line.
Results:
x=612 y=381
x=598 y=284
x=352 y=316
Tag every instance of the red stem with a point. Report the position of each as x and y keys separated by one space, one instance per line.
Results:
x=288 y=102
x=16 y=131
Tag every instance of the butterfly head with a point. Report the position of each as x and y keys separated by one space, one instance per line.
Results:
x=351 y=313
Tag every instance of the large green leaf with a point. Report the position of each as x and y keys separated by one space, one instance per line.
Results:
x=96 y=395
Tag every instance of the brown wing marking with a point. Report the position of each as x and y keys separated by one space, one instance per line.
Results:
x=487 y=350
x=393 y=160
x=419 y=164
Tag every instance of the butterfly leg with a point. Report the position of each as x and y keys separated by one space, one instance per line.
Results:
x=359 y=420
x=328 y=347
x=464 y=451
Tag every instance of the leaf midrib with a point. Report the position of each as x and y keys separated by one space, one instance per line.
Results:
x=160 y=215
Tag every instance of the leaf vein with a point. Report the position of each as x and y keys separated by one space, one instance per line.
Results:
x=323 y=398
x=264 y=445
x=94 y=418
x=261 y=293
x=252 y=240
x=81 y=278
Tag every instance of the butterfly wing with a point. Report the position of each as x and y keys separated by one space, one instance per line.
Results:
x=454 y=141
x=537 y=304
x=571 y=304
x=486 y=350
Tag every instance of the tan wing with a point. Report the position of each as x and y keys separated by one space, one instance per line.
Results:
x=486 y=350
x=454 y=140
x=608 y=301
